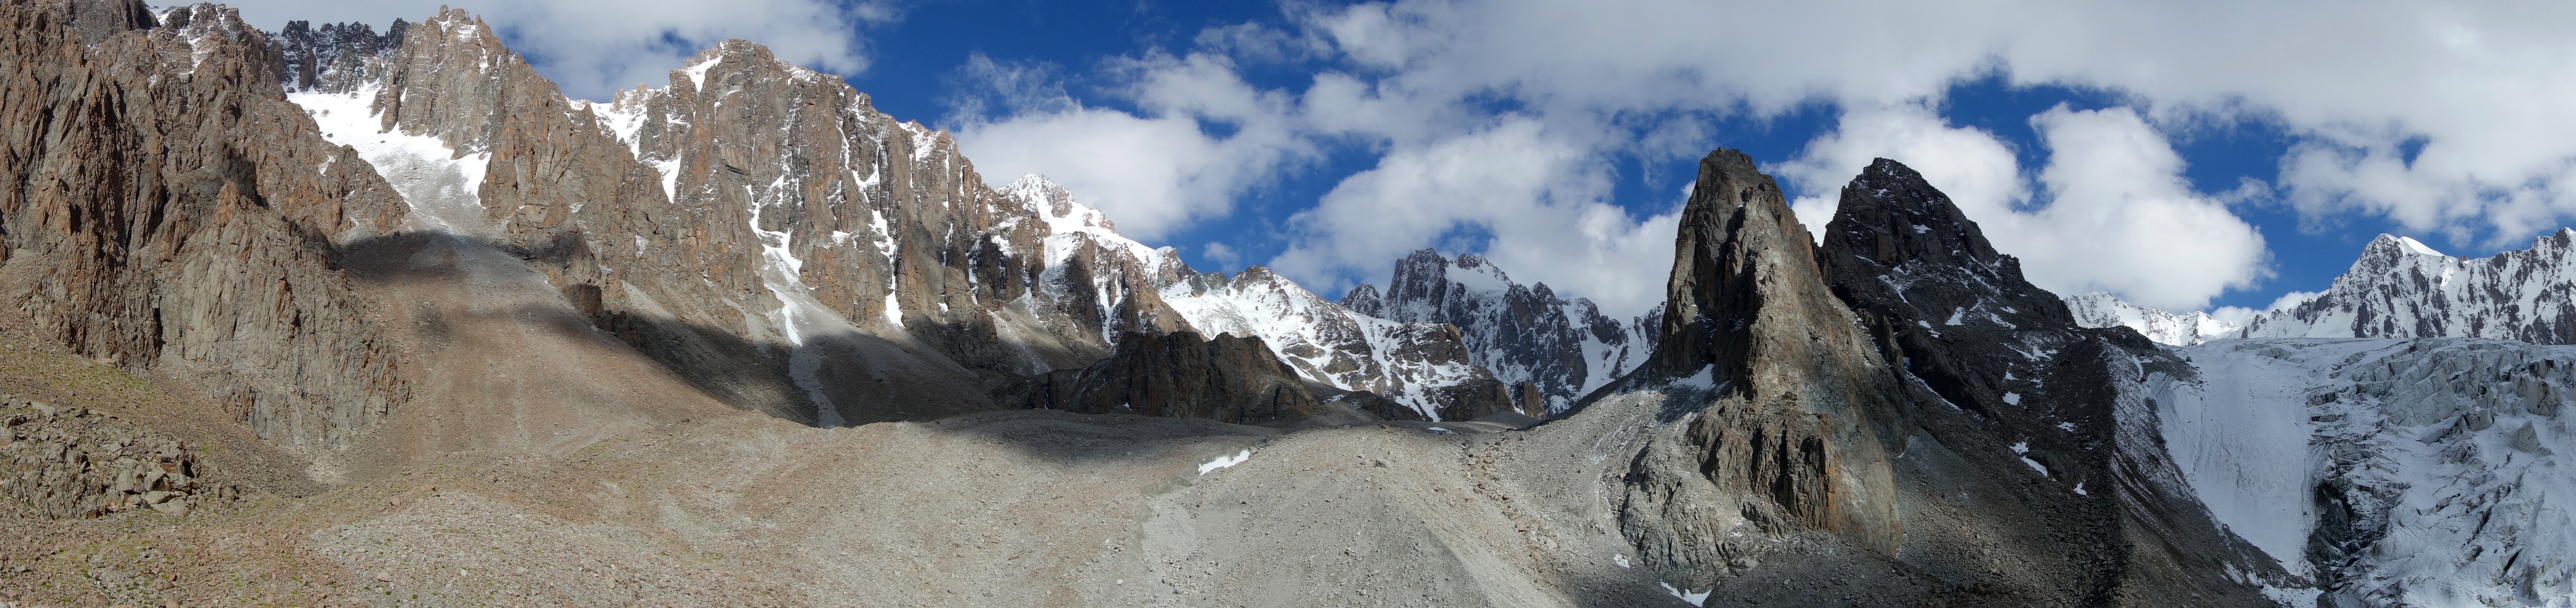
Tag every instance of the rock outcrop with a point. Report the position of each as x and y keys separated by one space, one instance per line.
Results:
x=70 y=462
x=1521 y=333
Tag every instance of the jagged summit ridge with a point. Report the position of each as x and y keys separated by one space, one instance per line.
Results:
x=751 y=197
x=1523 y=333
x=2102 y=309
x=2400 y=288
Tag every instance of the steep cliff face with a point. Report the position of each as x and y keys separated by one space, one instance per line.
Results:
x=1522 y=333
x=2017 y=390
x=166 y=206
x=1782 y=419
x=2400 y=288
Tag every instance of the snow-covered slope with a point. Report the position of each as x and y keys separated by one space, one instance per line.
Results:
x=2403 y=289
x=1523 y=333
x=1325 y=342
x=2393 y=472
x=1413 y=364
x=2099 y=309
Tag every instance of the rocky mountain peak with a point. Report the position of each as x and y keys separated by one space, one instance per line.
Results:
x=1736 y=231
x=2390 y=247
x=1890 y=218
x=1999 y=372
x=1364 y=299
x=1907 y=219
x=1522 y=333
x=1054 y=203
x=1787 y=412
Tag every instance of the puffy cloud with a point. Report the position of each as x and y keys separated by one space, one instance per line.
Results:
x=1152 y=172
x=592 y=48
x=2121 y=218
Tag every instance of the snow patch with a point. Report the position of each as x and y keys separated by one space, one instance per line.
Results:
x=1225 y=461
x=442 y=188
x=1695 y=599
x=2417 y=247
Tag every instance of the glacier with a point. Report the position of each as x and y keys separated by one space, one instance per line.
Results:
x=2390 y=472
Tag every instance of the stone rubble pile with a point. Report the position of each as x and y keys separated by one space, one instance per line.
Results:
x=73 y=462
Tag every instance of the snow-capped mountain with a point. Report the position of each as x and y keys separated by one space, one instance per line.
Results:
x=1424 y=366
x=752 y=214
x=2100 y=309
x=1522 y=333
x=2392 y=472
x=2403 y=289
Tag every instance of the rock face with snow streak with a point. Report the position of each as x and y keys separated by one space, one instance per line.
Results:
x=2099 y=309
x=2019 y=390
x=2416 y=472
x=1565 y=348
x=763 y=230
x=2401 y=289
x=753 y=215
x=160 y=214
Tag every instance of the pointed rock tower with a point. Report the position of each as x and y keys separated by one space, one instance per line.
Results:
x=1785 y=414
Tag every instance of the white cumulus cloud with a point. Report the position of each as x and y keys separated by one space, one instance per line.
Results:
x=1154 y=171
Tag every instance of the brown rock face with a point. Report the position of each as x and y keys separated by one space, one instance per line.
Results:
x=1180 y=375
x=164 y=208
x=1785 y=414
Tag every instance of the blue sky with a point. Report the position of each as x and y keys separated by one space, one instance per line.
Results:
x=2186 y=155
